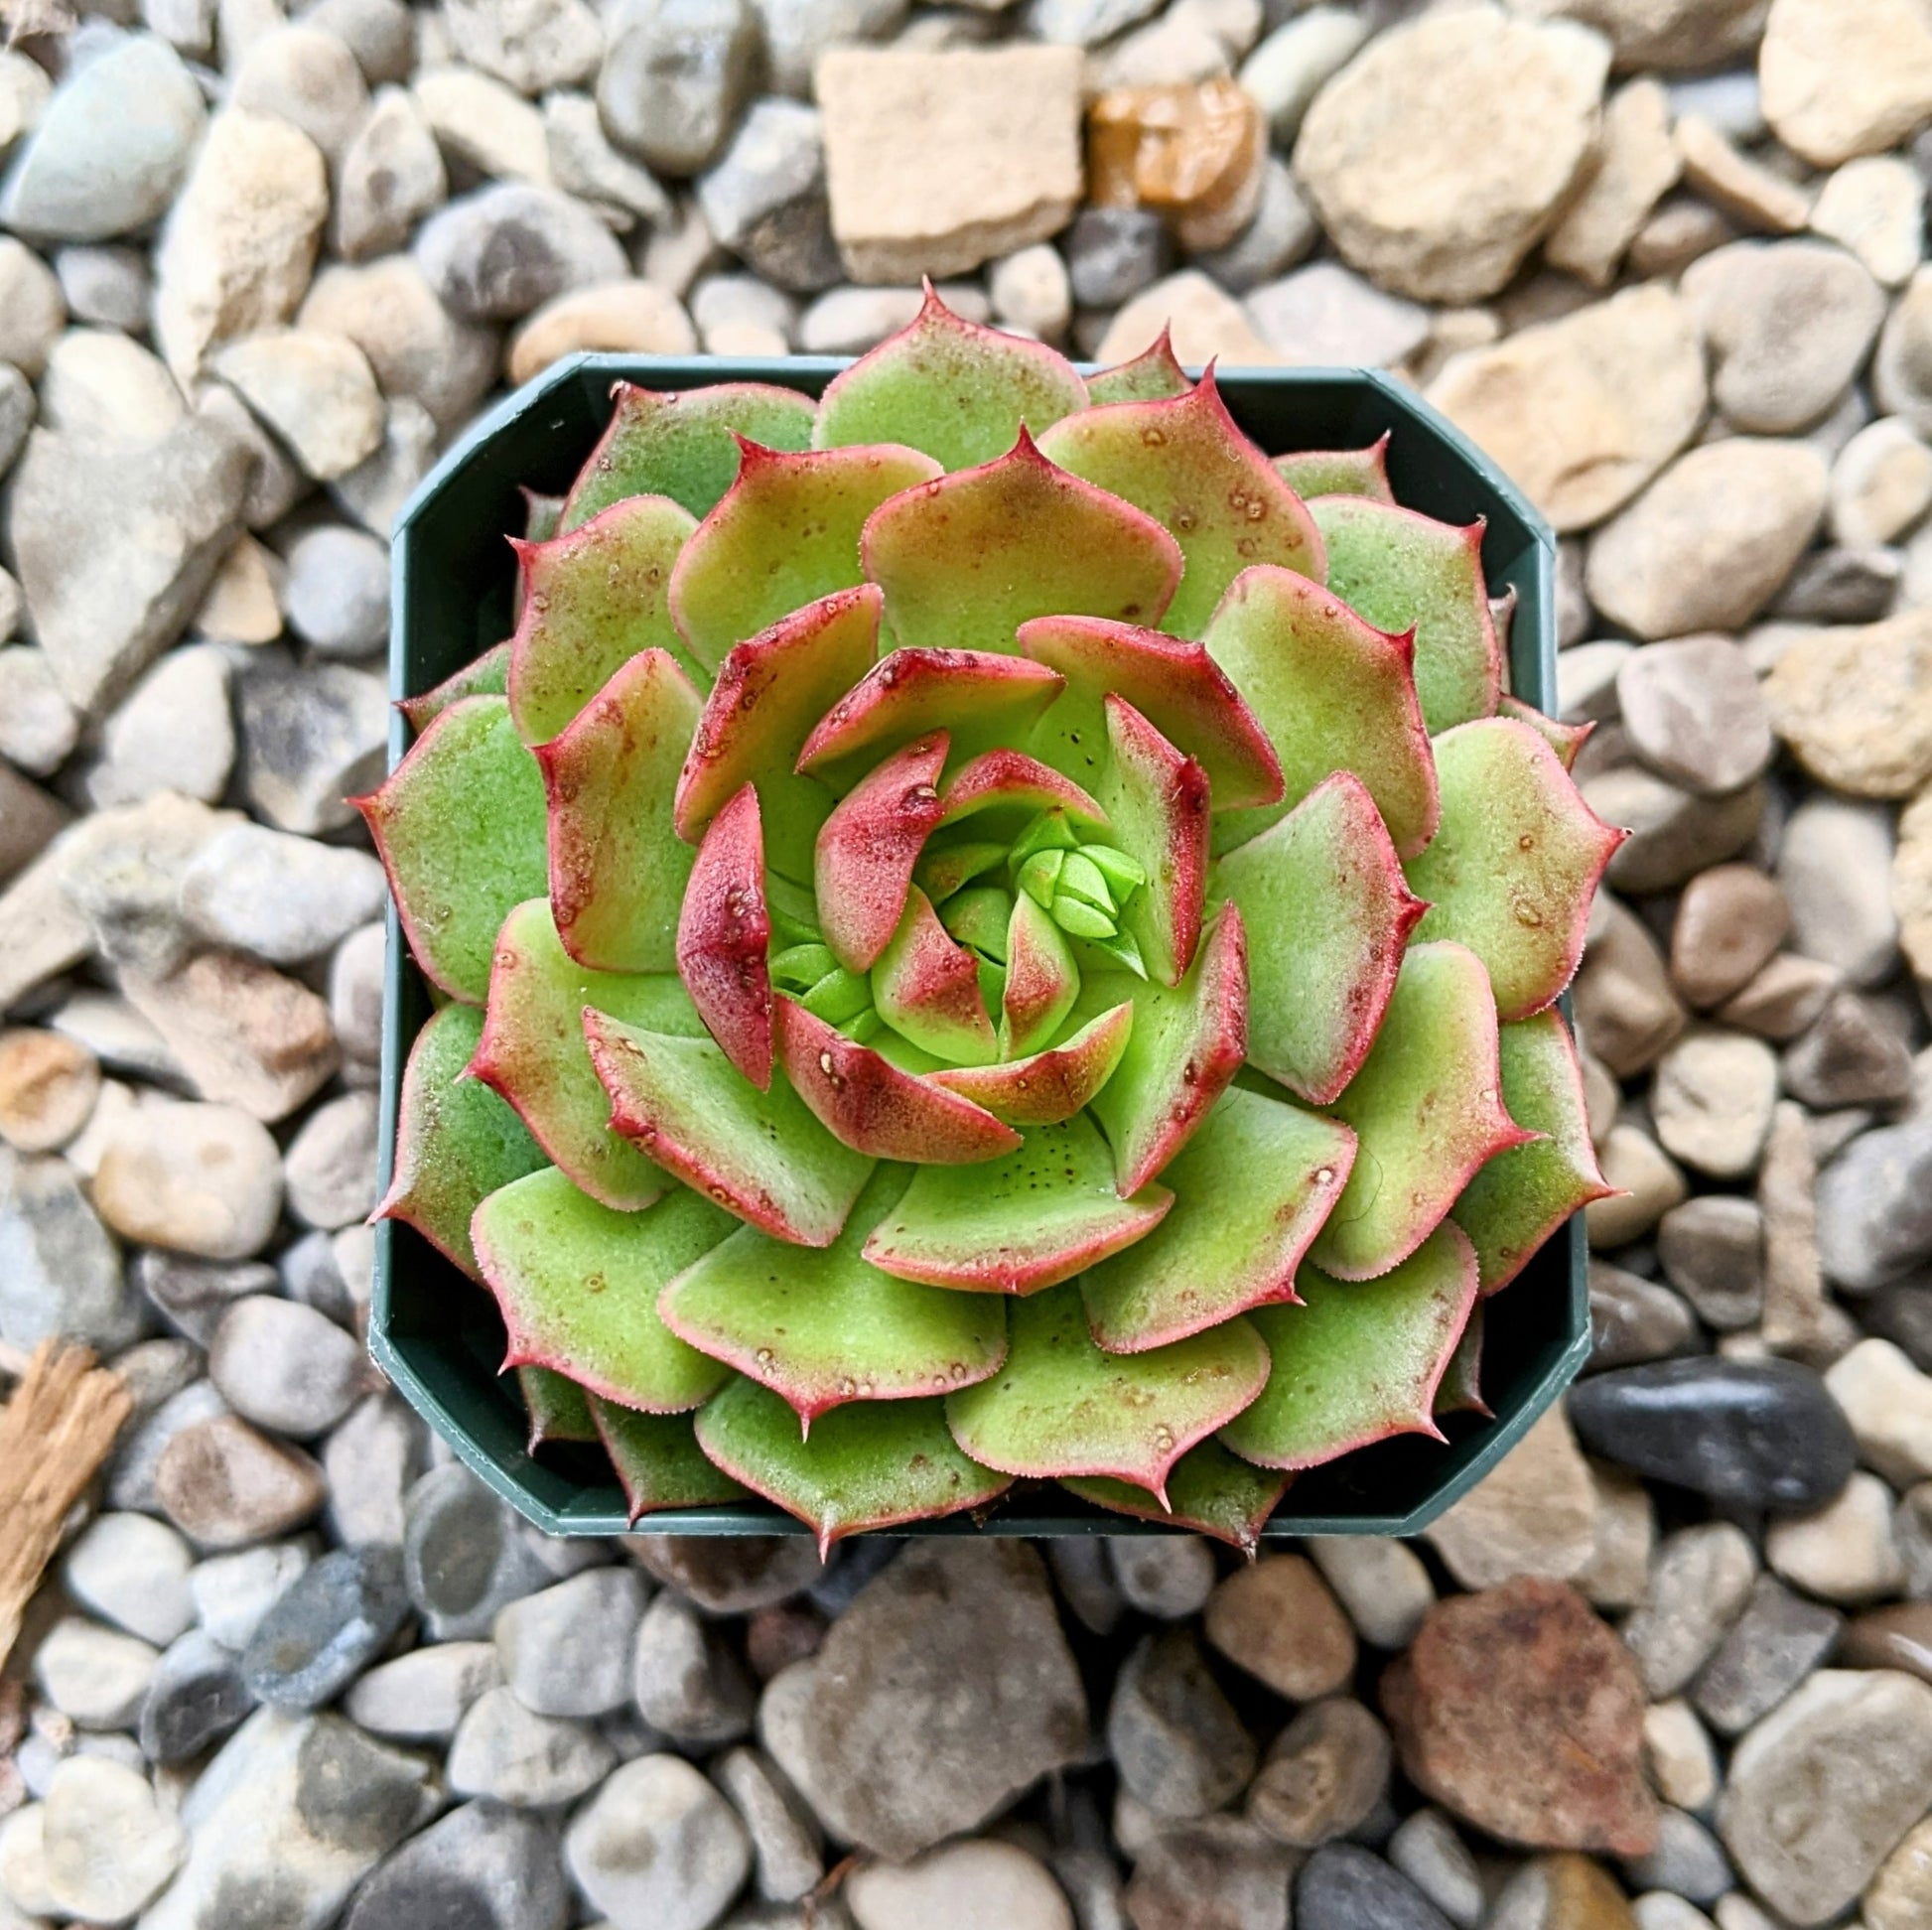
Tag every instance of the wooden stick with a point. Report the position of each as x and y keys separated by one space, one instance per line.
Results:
x=53 y=1433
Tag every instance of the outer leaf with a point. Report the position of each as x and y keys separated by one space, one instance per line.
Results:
x=1156 y=801
x=873 y=1464
x=1514 y=867
x=723 y=936
x=1210 y=1491
x=455 y=1140
x=1427 y=1110
x=1061 y=1407
x=487 y=676
x=1188 y=1045
x=871 y=1106
x=1042 y=982
x=1251 y=1190
x=1339 y=471
x=1326 y=886
x=1173 y=682
x=1516 y=1201
x=1333 y=694
x=760 y=1155
x=1359 y=1361
x=977 y=698
x=1049 y=1086
x=824 y=1328
x=685 y=445
x=865 y=850
x=926 y=986
x=1459 y=1390
x=532 y=1052
x=658 y=1461
x=1566 y=740
x=965 y=560
x=592 y=600
x=1189 y=466
x=460 y=826
x=1400 y=571
x=1025 y=1222
x=577 y=1286
x=956 y=390
x=1151 y=375
x=785 y=534
x=617 y=871
x=558 y=1407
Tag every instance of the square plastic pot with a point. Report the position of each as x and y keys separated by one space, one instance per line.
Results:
x=438 y=1336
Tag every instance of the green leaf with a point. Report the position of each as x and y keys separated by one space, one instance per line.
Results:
x=1459 y=1390
x=1428 y=1109
x=1325 y=886
x=592 y=600
x=927 y=988
x=1185 y=463
x=1061 y=1407
x=456 y=1139
x=1017 y=1224
x=685 y=445
x=870 y=1465
x=964 y=563
x=1251 y=1190
x=1516 y=1201
x=658 y=1461
x=1210 y=1491
x=1157 y=803
x=785 y=534
x=487 y=676
x=956 y=390
x=532 y=1052
x=559 y=1409
x=1043 y=981
x=577 y=1286
x=1400 y=570
x=1360 y=1360
x=762 y=1155
x=460 y=826
x=1151 y=375
x=1566 y=740
x=1339 y=471
x=1052 y=1084
x=1514 y=866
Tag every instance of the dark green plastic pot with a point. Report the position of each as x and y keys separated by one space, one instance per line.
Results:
x=438 y=1336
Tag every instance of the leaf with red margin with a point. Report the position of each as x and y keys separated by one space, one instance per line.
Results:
x=557 y=1408
x=1047 y=1086
x=871 y=1106
x=870 y=1465
x=724 y=937
x=1171 y=681
x=1185 y=461
x=1043 y=981
x=977 y=696
x=1188 y=1043
x=1502 y=618
x=1313 y=473
x=926 y=986
x=966 y=560
x=1326 y=887
x=1026 y=1221
x=770 y=691
x=1333 y=693
x=1358 y=1361
x=1157 y=802
x=862 y=867
x=592 y=600
x=459 y=827
x=532 y=1052
x=785 y=534
x=821 y=1329
x=1151 y=375
x=1566 y=740
x=658 y=1461
x=1521 y=1197
x=1459 y=1390
x=1210 y=1491
x=950 y=387
x=1427 y=1107
x=1009 y=781
x=455 y=1140
x=577 y=1286
x=1251 y=1190
x=1400 y=571
x=1514 y=866
x=1059 y=1407
x=488 y=676
x=683 y=445
x=759 y=1155
x=617 y=871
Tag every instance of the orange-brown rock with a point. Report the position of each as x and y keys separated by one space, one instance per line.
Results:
x=1193 y=152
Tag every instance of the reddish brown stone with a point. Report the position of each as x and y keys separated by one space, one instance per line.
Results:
x=1522 y=1711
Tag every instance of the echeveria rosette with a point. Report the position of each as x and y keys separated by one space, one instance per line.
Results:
x=988 y=937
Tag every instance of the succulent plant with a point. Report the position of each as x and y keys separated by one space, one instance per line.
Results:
x=988 y=931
